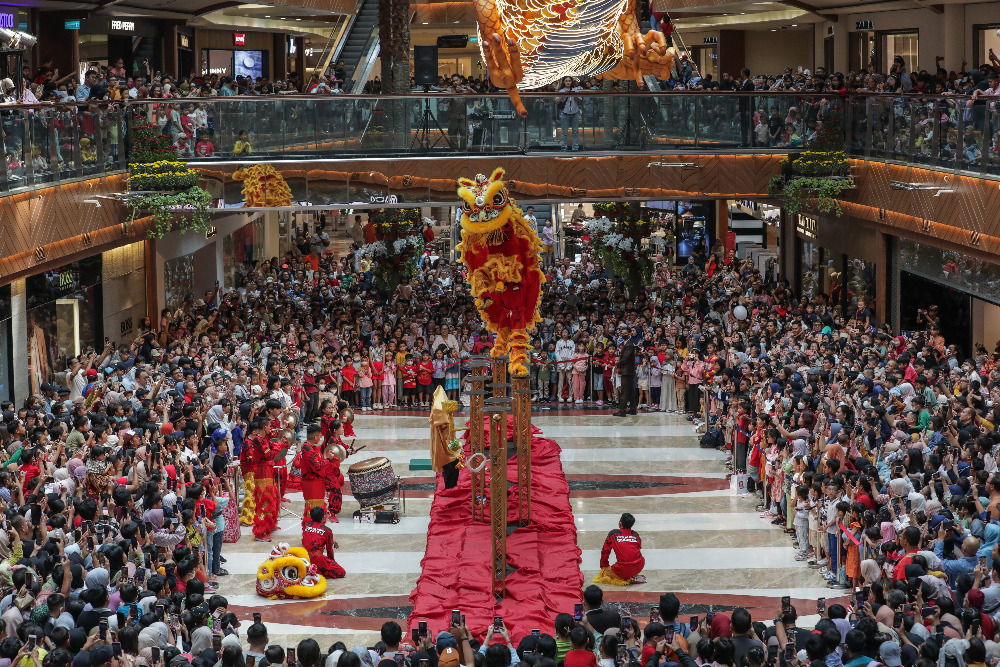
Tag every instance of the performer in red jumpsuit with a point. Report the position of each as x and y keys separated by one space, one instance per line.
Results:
x=274 y=428
x=627 y=546
x=335 y=478
x=317 y=539
x=265 y=494
x=315 y=469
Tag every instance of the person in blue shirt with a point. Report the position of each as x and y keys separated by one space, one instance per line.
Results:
x=89 y=81
x=965 y=563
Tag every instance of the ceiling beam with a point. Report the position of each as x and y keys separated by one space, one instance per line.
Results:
x=806 y=7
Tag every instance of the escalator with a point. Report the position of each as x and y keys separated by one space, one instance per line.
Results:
x=360 y=47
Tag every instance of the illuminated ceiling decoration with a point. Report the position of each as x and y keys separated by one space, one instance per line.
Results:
x=530 y=43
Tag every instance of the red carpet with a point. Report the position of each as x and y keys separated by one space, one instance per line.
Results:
x=455 y=571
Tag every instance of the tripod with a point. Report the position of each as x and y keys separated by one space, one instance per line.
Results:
x=421 y=140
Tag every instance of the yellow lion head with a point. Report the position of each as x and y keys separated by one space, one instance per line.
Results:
x=486 y=205
x=287 y=573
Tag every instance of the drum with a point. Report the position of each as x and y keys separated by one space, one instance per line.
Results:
x=373 y=482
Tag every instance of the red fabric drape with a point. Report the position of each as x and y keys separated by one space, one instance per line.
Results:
x=455 y=571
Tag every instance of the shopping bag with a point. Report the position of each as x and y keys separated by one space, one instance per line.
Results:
x=738 y=484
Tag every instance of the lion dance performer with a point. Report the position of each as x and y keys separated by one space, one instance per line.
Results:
x=317 y=539
x=261 y=456
x=336 y=451
x=315 y=469
x=247 y=468
x=500 y=249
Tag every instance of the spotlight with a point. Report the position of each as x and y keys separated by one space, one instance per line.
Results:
x=15 y=39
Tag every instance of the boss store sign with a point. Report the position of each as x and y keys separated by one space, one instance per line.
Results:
x=120 y=26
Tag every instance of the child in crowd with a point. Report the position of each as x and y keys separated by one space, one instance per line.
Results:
x=668 y=381
x=655 y=380
x=580 y=364
x=597 y=374
x=389 y=381
x=425 y=378
x=242 y=148
x=400 y=363
x=538 y=358
x=365 y=384
x=550 y=359
x=642 y=379
x=452 y=373
x=409 y=371
x=608 y=364
x=378 y=373
x=440 y=365
x=802 y=522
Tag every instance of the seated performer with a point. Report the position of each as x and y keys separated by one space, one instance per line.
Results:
x=314 y=468
x=317 y=539
x=627 y=546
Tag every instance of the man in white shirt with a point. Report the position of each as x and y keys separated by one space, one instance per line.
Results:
x=565 y=349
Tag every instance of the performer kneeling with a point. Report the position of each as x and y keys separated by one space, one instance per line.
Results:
x=317 y=539
x=628 y=554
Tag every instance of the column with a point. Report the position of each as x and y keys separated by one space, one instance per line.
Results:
x=841 y=43
x=19 y=340
x=954 y=40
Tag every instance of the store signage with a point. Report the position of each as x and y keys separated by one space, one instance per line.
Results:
x=291 y=47
x=864 y=25
x=71 y=25
x=7 y=20
x=806 y=225
x=126 y=326
x=711 y=40
x=239 y=39
x=388 y=199
x=126 y=26
x=184 y=41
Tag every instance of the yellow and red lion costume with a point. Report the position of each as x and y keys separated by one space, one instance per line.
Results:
x=288 y=574
x=500 y=249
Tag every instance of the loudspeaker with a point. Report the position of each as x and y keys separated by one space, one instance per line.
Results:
x=425 y=65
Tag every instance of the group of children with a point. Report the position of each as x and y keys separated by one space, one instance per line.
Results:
x=659 y=377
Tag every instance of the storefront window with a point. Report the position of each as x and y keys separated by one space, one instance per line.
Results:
x=956 y=269
x=241 y=248
x=903 y=44
x=859 y=278
x=65 y=317
x=987 y=41
x=6 y=358
x=810 y=270
x=178 y=281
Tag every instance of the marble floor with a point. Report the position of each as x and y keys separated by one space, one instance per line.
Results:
x=700 y=541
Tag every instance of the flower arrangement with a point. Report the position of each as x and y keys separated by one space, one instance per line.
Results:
x=164 y=186
x=617 y=236
x=816 y=177
x=399 y=242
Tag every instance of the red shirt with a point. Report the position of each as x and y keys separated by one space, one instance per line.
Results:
x=580 y=658
x=409 y=376
x=425 y=371
x=626 y=544
x=899 y=572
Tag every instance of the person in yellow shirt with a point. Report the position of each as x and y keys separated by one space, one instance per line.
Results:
x=242 y=147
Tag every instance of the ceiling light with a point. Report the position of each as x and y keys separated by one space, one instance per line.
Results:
x=267 y=16
x=795 y=25
x=774 y=30
x=298 y=19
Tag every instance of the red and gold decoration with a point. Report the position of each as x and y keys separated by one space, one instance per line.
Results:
x=501 y=252
x=532 y=43
x=263 y=185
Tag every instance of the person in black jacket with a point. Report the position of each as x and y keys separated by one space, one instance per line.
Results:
x=626 y=369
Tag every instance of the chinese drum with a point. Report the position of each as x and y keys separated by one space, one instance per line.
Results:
x=373 y=482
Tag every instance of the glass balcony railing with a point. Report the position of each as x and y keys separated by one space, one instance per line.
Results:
x=44 y=144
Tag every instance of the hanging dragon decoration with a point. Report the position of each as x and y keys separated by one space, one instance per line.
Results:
x=500 y=249
x=531 y=43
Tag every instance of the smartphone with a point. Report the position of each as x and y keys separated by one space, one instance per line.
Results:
x=155 y=650
x=256 y=617
x=786 y=604
x=290 y=656
x=36 y=514
x=897 y=620
x=789 y=650
x=536 y=632
x=32 y=642
x=415 y=636
x=142 y=530
x=578 y=612
x=29 y=579
x=709 y=617
x=216 y=642
x=117 y=648
x=669 y=636
x=104 y=629
x=140 y=577
x=90 y=542
x=927 y=611
x=400 y=659
x=148 y=525
x=251 y=661
x=121 y=619
x=621 y=654
x=859 y=598
x=422 y=625
x=982 y=564
x=772 y=652
x=626 y=622
x=424 y=662
x=654 y=614
x=456 y=617
x=497 y=623
x=693 y=623
x=820 y=605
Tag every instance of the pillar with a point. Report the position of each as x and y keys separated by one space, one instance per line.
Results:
x=498 y=495
x=19 y=340
x=883 y=284
x=954 y=40
x=521 y=393
x=732 y=52
x=476 y=435
x=788 y=250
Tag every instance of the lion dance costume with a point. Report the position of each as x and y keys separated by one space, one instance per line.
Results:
x=500 y=249
x=288 y=574
x=249 y=508
x=261 y=453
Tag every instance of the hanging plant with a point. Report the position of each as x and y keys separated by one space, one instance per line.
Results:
x=164 y=187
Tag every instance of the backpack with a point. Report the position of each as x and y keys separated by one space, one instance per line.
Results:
x=712 y=438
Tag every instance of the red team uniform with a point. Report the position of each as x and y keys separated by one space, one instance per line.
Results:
x=627 y=546
x=260 y=451
x=317 y=539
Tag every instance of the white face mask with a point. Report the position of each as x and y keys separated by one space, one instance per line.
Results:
x=321 y=386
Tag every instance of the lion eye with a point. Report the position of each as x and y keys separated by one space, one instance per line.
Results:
x=497 y=199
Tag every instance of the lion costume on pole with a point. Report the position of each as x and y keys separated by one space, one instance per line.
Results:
x=500 y=249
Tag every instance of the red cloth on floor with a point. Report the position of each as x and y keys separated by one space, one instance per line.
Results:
x=456 y=568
